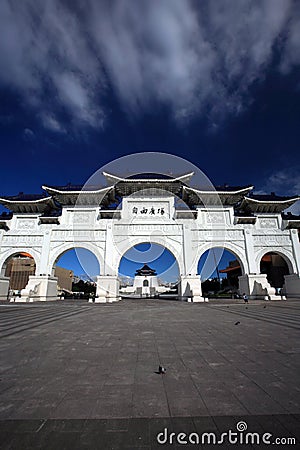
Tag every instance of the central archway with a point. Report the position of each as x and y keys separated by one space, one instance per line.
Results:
x=148 y=270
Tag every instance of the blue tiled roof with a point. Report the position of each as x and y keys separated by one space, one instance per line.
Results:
x=227 y=188
x=26 y=197
x=150 y=176
x=271 y=197
x=75 y=187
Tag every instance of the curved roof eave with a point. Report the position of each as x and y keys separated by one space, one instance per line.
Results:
x=271 y=202
x=64 y=192
x=26 y=202
x=238 y=191
x=116 y=179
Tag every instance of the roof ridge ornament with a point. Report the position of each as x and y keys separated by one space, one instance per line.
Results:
x=184 y=178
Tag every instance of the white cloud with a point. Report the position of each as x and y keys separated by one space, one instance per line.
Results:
x=154 y=52
x=193 y=57
x=51 y=123
x=283 y=182
x=45 y=55
x=28 y=135
x=291 y=56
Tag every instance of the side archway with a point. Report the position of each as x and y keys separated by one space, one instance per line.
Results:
x=62 y=249
x=236 y=251
x=76 y=270
x=287 y=257
x=219 y=268
x=275 y=265
x=18 y=266
x=10 y=253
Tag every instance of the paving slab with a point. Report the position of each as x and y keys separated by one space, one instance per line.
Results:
x=78 y=375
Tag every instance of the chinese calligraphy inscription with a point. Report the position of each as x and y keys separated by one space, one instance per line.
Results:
x=148 y=211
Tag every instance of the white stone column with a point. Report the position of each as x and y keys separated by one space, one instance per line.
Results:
x=4 y=288
x=249 y=247
x=257 y=287
x=43 y=285
x=107 y=289
x=291 y=288
x=109 y=253
x=190 y=288
x=4 y=281
x=187 y=251
x=44 y=268
x=39 y=289
x=296 y=249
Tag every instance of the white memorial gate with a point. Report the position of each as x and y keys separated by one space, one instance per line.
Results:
x=168 y=211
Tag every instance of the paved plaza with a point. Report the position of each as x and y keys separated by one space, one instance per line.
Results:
x=83 y=376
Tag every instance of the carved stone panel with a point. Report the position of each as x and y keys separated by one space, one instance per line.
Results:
x=271 y=240
x=81 y=218
x=75 y=234
x=228 y=235
x=22 y=241
x=145 y=229
x=26 y=224
x=268 y=222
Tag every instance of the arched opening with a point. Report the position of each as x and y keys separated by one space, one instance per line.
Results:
x=219 y=270
x=18 y=267
x=148 y=270
x=275 y=267
x=76 y=270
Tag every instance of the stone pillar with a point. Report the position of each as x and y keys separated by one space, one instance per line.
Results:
x=190 y=288
x=39 y=289
x=109 y=253
x=4 y=287
x=291 y=288
x=43 y=267
x=249 y=247
x=296 y=249
x=187 y=249
x=257 y=287
x=107 y=289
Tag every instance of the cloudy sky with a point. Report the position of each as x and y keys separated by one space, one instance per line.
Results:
x=84 y=81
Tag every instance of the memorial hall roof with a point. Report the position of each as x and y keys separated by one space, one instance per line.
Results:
x=145 y=270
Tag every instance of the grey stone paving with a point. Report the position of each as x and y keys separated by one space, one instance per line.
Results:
x=88 y=365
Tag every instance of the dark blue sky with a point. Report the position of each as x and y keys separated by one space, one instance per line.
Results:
x=260 y=146
x=215 y=82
